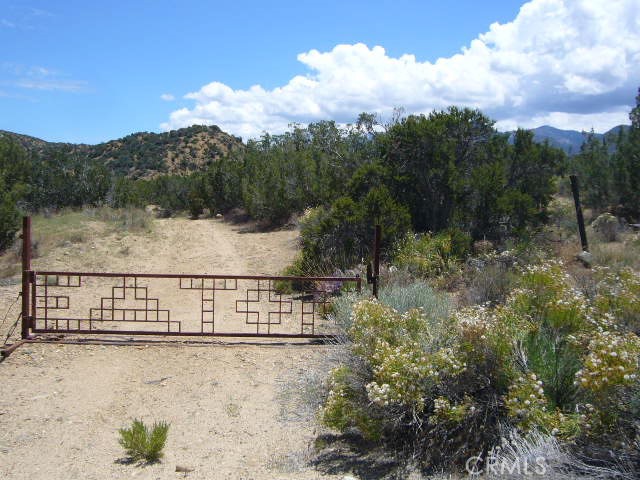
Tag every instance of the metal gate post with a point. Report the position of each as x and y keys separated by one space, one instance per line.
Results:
x=376 y=260
x=26 y=276
x=575 y=189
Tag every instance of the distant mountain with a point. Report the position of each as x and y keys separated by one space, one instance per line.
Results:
x=146 y=154
x=569 y=140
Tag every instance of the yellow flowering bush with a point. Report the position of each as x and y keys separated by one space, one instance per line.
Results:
x=546 y=295
x=373 y=322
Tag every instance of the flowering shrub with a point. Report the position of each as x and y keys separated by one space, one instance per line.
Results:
x=612 y=361
x=618 y=297
x=396 y=346
x=342 y=409
x=528 y=407
x=526 y=401
x=445 y=411
x=550 y=359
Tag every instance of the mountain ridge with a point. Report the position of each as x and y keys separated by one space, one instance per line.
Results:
x=144 y=154
x=568 y=140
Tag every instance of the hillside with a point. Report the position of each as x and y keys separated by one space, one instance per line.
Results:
x=145 y=154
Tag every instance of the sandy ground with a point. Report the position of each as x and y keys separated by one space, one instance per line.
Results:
x=234 y=406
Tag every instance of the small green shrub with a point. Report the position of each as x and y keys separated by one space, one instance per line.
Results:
x=142 y=443
x=430 y=256
x=562 y=216
x=300 y=267
x=488 y=282
x=343 y=407
x=607 y=226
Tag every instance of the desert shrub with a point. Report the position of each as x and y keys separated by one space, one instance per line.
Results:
x=617 y=255
x=143 y=443
x=548 y=359
x=562 y=215
x=342 y=235
x=417 y=294
x=607 y=226
x=489 y=278
x=124 y=219
x=428 y=255
x=342 y=312
x=618 y=297
x=343 y=408
x=195 y=204
x=9 y=220
x=300 y=267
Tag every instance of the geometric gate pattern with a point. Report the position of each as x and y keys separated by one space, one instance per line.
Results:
x=225 y=305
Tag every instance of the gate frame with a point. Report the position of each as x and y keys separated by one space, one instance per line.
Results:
x=28 y=315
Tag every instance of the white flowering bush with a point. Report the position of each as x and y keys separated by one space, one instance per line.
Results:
x=550 y=359
x=400 y=351
x=528 y=407
x=445 y=411
x=618 y=297
x=612 y=361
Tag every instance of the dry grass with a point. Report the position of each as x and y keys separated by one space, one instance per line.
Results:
x=68 y=227
x=622 y=253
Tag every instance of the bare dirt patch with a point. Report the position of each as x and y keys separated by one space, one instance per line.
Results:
x=234 y=407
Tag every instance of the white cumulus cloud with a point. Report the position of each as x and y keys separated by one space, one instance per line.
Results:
x=167 y=97
x=569 y=63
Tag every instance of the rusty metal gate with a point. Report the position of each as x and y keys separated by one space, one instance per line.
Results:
x=62 y=302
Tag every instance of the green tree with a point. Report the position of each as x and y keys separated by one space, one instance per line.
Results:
x=594 y=166
x=15 y=174
x=626 y=167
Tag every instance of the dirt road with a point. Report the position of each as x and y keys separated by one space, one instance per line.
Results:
x=235 y=408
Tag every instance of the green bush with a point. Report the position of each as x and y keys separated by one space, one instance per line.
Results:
x=417 y=294
x=607 y=226
x=430 y=255
x=341 y=236
x=142 y=443
x=9 y=220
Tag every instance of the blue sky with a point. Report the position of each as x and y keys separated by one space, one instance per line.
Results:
x=94 y=71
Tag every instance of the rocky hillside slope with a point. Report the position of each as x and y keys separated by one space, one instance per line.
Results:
x=144 y=154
